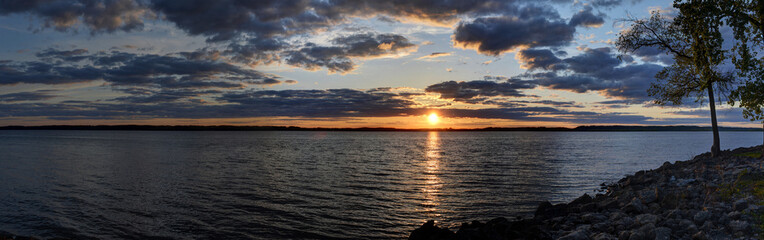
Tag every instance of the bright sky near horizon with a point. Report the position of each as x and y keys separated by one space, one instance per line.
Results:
x=325 y=63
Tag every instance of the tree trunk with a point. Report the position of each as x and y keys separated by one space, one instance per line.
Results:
x=762 y=146
x=715 y=149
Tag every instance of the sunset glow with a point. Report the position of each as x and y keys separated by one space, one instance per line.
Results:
x=433 y=119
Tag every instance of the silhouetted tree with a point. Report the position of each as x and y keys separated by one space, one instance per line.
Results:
x=695 y=42
x=746 y=18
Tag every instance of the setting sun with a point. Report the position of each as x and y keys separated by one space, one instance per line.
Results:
x=433 y=118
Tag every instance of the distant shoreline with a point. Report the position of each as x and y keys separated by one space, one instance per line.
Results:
x=613 y=128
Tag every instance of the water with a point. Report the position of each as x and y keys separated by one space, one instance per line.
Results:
x=192 y=185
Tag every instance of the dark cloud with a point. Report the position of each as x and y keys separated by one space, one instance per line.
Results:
x=162 y=96
x=337 y=58
x=610 y=3
x=66 y=55
x=465 y=91
x=496 y=35
x=46 y=73
x=129 y=69
x=269 y=31
x=532 y=59
x=27 y=96
x=97 y=15
x=586 y=18
x=319 y=103
x=653 y=54
x=596 y=70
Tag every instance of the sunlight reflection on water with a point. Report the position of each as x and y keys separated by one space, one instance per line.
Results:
x=432 y=183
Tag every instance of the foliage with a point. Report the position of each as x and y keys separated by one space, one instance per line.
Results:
x=749 y=154
x=746 y=18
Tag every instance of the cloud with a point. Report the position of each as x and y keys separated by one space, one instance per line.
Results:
x=274 y=31
x=653 y=54
x=434 y=55
x=471 y=90
x=532 y=59
x=74 y=55
x=98 y=16
x=594 y=70
x=535 y=27
x=338 y=58
x=586 y=18
x=128 y=69
x=27 y=96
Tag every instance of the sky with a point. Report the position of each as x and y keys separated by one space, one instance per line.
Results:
x=327 y=63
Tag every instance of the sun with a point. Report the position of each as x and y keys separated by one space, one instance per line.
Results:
x=433 y=118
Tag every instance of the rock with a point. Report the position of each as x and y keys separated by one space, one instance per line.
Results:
x=734 y=215
x=646 y=232
x=643 y=219
x=546 y=210
x=648 y=196
x=583 y=199
x=662 y=233
x=740 y=205
x=624 y=223
x=429 y=231
x=608 y=204
x=614 y=216
x=603 y=236
x=589 y=207
x=701 y=217
x=593 y=217
x=687 y=226
x=738 y=226
x=576 y=235
x=635 y=206
x=699 y=236
x=624 y=235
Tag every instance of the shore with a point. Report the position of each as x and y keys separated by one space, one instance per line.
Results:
x=702 y=198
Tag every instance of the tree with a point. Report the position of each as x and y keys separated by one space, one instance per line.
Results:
x=746 y=18
x=695 y=42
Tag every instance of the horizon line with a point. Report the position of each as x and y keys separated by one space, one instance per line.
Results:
x=138 y=127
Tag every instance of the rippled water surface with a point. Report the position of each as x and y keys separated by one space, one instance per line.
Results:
x=192 y=185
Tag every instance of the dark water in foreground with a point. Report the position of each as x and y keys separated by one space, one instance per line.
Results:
x=192 y=185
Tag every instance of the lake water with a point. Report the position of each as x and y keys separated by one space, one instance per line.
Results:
x=355 y=185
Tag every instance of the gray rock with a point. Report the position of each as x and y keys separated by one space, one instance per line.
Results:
x=740 y=205
x=734 y=215
x=608 y=204
x=624 y=223
x=648 y=196
x=700 y=235
x=635 y=206
x=701 y=217
x=643 y=219
x=708 y=226
x=593 y=217
x=662 y=233
x=624 y=235
x=687 y=226
x=617 y=215
x=738 y=226
x=575 y=235
x=604 y=236
x=646 y=232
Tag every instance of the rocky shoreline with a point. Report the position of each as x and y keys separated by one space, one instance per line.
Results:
x=703 y=198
